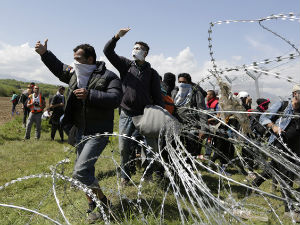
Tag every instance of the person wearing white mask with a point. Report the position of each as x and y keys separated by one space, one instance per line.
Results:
x=141 y=87
x=93 y=94
x=190 y=95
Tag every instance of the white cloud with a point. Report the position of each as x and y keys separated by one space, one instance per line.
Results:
x=23 y=62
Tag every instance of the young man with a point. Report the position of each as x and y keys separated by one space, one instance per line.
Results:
x=57 y=106
x=93 y=94
x=23 y=100
x=141 y=87
x=190 y=95
x=36 y=104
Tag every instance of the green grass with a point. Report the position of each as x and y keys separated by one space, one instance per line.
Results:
x=23 y=158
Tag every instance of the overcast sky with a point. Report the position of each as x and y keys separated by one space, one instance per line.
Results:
x=176 y=32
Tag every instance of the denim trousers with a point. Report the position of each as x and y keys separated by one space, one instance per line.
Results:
x=127 y=127
x=87 y=154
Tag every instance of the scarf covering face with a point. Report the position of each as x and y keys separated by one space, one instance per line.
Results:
x=184 y=94
x=83 y=73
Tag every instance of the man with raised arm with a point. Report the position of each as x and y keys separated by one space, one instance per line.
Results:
x=93 y=94
x=141 y=87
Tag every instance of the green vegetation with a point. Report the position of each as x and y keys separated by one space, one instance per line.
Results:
x=20 y=158
x=7 y=86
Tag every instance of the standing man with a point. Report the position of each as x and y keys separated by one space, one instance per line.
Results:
x=23 y=100
x=36 y=104
x=93 y=94
x=190 y=95
x=57 y=105
x=141 y=87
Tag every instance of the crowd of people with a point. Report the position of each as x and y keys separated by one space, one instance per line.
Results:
x=94 y=92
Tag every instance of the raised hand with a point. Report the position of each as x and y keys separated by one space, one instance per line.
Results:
x=122 y=32
x=41 y=49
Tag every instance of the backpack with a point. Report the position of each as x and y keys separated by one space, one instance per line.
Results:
x=169 y=103
x=15 y=99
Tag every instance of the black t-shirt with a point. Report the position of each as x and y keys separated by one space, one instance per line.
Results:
x=57 y=111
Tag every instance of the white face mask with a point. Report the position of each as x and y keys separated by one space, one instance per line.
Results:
x=83 y=72
x=138 y=54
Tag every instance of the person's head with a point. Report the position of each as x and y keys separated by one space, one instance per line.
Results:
x=211 y=94
x=296 y=89
x=61 y=90
x=29 y=91
x=169 y=79
x=184 y=78
x=263 y=104
x=31 y=85
x=140 y=51
x=36 y=89
x=296 y=100
x=85 y=54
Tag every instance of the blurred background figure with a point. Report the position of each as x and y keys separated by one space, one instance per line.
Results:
x=57 y=106
x=23 y=101
x=14 y=100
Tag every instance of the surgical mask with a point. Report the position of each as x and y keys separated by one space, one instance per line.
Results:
x=138 y=54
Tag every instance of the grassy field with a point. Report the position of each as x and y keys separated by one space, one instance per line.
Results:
x=20 y=158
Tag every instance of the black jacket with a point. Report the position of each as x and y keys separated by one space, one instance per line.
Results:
x=141 y=86
x=96 y=113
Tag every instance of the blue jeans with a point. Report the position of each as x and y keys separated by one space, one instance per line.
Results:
x=127 y=127
x=87 y=155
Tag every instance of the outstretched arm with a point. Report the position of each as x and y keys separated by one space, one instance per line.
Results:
x=59 y=69
x=119 y=62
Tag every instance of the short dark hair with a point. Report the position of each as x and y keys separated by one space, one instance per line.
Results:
x=145 y=45
x=88 y=51
x=213 y=92
x=186 y=76
x=61 y=88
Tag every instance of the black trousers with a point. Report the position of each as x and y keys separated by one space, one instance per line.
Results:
x=224 y=150
x=285 y=174
x=26 y=112
x=54 y=128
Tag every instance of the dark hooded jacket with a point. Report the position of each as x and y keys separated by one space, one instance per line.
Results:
x=197 y=101
x=95 y=114
x=141 y=85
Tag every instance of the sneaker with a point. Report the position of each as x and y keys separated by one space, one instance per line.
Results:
x=124 y=182
x=294 y=216
x=91 y=208
x=94 y=217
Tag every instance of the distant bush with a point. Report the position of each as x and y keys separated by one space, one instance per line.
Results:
x=8 y=86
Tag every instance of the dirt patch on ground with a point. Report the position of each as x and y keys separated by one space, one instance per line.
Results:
x=5 y=110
